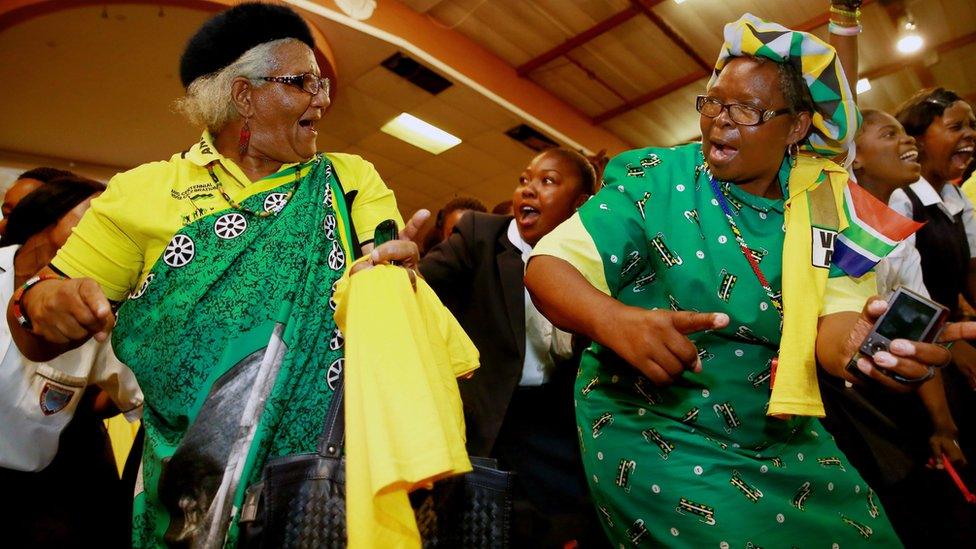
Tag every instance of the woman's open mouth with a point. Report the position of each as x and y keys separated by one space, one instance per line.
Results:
x=910 y=158
x=527 y=215
x=309 y=125
x=962 y=156
x=721 y=152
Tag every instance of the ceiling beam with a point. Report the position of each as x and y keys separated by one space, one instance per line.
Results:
x=464 y=61
x=685 y=80
x=956 y=43
x=884 y=70
x=706 y=69
x=645 y=7
x=816 y=22
x=576 y=41
x=595 y=77
x=916 y=60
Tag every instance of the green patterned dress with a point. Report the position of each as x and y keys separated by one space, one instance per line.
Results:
x=699 y=464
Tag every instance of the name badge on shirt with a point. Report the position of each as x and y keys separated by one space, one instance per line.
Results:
x=822 y=246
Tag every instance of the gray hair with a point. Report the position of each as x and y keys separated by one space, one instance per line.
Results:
x=208 y=98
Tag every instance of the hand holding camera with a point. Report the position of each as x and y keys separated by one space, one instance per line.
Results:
x=897 y=348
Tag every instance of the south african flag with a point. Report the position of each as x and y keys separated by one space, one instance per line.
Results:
x=873 y=230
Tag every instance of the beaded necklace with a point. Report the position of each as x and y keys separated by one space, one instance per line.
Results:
x=723 y=202
x=264 y=213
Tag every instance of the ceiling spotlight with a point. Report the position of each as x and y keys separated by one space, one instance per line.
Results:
x=863 y=85
x=910 y=41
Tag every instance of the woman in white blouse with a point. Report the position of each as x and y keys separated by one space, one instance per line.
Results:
x=63 y=486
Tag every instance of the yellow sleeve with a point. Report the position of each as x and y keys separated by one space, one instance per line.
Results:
x=969 y=188
x=374 y=202
x=572 y=243
x=102 y=247
x=844 y=293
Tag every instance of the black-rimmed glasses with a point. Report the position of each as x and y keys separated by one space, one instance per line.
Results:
x=307 y=82
x=744 y=115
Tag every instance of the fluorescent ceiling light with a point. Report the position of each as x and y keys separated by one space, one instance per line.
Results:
x=679 y=1
x=863 y=85
x=420 y=134
x=910 y=43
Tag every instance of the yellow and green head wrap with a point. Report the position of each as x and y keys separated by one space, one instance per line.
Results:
x=836 y=119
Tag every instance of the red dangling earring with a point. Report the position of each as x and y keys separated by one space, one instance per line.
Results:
x=245 y=138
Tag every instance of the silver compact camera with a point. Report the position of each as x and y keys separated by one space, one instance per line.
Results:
x=909 y=316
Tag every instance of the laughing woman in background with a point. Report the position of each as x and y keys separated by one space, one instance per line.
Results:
x=944 y=128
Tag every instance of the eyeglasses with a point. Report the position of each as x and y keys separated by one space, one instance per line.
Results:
x=307 y=82
x=744 y=115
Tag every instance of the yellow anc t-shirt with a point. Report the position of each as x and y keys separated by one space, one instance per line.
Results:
x=127 y=228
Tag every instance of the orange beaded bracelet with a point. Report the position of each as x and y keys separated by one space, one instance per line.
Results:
x=20 y=313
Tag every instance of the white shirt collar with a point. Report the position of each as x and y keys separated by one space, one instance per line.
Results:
x=544 y=343
x=947 y=199
x=516 y=239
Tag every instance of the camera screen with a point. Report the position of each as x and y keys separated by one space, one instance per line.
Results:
x=906 y=318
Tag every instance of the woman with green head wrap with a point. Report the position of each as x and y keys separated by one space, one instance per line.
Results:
x=698 y=428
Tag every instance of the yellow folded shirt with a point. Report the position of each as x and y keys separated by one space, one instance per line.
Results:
x=404 y=421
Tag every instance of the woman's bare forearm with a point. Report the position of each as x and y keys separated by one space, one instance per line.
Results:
x=63 y=314
x=572 y=303
x=846 y=47
x=832 y=355
x=32 y=346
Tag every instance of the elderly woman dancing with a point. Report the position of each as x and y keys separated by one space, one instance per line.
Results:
x=673 y=404
x=208 y=255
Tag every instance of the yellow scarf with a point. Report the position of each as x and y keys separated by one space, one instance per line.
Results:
x=404 y=422
x=813 y=200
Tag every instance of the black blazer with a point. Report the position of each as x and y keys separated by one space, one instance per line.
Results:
x=478 y=274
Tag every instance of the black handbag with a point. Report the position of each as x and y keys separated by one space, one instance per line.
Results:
x=300 y=501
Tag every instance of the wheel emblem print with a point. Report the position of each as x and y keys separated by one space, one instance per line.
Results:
x=332 y=303
x=337 y=259
x=230 y=226
x=179 y=252
x=330 y=227
x=335 y=373
x=337 y=340
x=274 y=202
x=143 y=287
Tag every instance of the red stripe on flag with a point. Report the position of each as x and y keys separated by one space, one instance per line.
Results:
x=879 y=216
